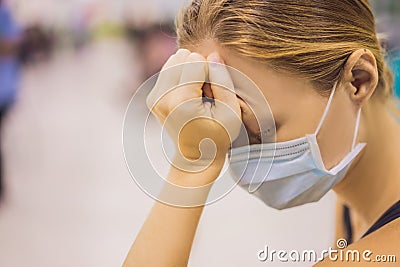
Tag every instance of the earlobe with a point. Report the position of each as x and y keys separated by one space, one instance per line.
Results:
x=361 y=75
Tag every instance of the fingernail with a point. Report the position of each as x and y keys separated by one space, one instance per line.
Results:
x=214 y=57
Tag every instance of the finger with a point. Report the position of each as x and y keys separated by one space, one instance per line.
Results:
x=248 y=117
x=172 y=70
x=178 y=58
x=168 y=77
x=250 y=122
x=221 y=83
x=192 y=79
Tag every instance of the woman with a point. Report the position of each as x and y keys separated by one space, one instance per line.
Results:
x=322 y=69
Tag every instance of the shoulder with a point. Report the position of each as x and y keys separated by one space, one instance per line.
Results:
x=377 y=248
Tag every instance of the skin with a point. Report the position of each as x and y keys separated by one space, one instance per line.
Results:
x=370 y=187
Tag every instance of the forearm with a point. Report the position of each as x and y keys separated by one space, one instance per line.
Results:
x=167 y=235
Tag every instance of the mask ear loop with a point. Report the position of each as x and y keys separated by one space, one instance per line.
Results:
x=356 y=129
x=328 y=105
x=326 y=109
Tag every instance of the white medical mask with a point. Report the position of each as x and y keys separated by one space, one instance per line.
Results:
x=289 y=174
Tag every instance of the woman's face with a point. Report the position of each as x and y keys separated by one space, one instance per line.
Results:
x=296 y=105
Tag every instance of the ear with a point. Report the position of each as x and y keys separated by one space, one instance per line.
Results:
x=360 y=76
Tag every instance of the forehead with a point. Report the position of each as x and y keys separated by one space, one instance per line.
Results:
x=257 y=71
x=272 y=83
x=229 y=57
x=280 y=90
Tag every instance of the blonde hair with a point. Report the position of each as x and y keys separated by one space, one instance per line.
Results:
x=311 y=38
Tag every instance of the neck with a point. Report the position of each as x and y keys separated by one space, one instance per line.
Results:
x=372 y=184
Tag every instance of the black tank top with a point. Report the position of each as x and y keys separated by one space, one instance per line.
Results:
x=390 y=215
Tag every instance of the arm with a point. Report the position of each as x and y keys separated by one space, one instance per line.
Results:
x=167 y=235
x=382 y=244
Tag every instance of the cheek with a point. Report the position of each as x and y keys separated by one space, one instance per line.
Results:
x=293 y=129
x=296 y=120
x=336 y=136
x=296 y=107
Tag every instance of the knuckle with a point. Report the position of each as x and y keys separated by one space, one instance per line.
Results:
x=196 y=57
x=183 y=51
x=150 y=100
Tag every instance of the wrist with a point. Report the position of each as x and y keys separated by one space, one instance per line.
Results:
x=188 y=176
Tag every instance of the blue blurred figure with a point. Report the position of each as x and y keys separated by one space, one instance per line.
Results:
x=395 y=66
x=10 y=36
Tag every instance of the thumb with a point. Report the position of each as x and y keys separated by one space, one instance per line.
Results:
x=227 y=109
x=221 y=83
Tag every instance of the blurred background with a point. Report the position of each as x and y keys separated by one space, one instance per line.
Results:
x=67 y=72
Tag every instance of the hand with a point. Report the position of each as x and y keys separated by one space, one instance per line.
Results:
x=201 y=131
x=251 y=123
